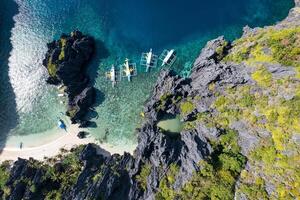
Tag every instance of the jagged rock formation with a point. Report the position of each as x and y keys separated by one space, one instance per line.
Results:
x=117 y=175
x=237 y=97
x=66 y=61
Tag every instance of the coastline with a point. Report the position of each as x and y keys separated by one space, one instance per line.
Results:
x=50 y=149
x=70 y=139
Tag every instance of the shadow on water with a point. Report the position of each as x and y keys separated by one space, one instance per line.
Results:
x=8 y=112
x=100 y=53
x=100 y=97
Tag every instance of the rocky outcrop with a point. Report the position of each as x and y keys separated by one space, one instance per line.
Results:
x=66 y=61
x=111 y=176
x=103 y=176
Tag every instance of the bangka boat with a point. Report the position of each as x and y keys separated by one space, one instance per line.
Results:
x=168 y=57
x=128 y=70
x=149 y=60
x=62 y=125
x=111 y=75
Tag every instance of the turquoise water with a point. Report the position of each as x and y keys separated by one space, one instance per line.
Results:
x=172 y=124
x=128 y=28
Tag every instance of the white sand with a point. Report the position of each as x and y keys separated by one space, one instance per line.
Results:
x=67 y=141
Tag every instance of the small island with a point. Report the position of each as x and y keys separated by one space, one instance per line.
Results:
x=66 y=61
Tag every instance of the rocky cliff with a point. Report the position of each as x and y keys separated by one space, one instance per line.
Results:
x=240 y=109
x=66 y=62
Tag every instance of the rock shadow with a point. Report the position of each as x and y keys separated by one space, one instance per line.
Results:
x=101 y=52
x=99 y=99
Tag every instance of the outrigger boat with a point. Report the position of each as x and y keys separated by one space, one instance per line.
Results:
x=111 y=75
x=128 y=70
x=168 y=57
x=62 y=125
x=149 y=60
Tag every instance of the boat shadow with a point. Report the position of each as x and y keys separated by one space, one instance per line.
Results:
x=8 y=107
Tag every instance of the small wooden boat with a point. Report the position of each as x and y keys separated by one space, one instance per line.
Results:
x=128 y=70
x=149 y=60
x=111 y=75
x=62 y=125
x=168 y=57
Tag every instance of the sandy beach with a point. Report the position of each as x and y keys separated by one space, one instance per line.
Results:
x=67 y=141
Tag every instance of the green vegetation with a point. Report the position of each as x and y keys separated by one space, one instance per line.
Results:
x=215 y=180
x=166 y=191
x=52 y=68
x=187 y=107
x=167 y=99
x=221 y=50
x=265 y=109
x=268 y=45
x=163 y=101
x=72 y=111
x=263 y=77
x=254 y=189
x=142 y=177
x=217 y=177
x=61 y=55
x=63 y=43
x=53 y=195
x=56 y=179
x=4 y=174
x=67 y=177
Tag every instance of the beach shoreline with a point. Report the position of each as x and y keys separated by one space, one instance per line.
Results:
x=67 y=141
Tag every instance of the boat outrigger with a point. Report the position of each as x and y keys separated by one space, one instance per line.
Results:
x=128 y=70
x=149 y=60
x=111 y=75
x=168 y=57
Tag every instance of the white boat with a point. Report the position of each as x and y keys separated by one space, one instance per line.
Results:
x=149 y=60
x=168 y=57
x=111 y=75
x=60 y=86
x=128 y=70
x=61 y=95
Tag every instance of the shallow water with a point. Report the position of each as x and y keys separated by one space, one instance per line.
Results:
x=172 y=125
x=127 y=29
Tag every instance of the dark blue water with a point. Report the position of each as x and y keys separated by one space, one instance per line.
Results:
x=160 y=23
x=127 y=28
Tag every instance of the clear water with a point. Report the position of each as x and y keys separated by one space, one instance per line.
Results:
x=171 y=124
x=29 y=106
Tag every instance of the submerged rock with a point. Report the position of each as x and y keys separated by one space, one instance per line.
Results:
x=82 y=134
